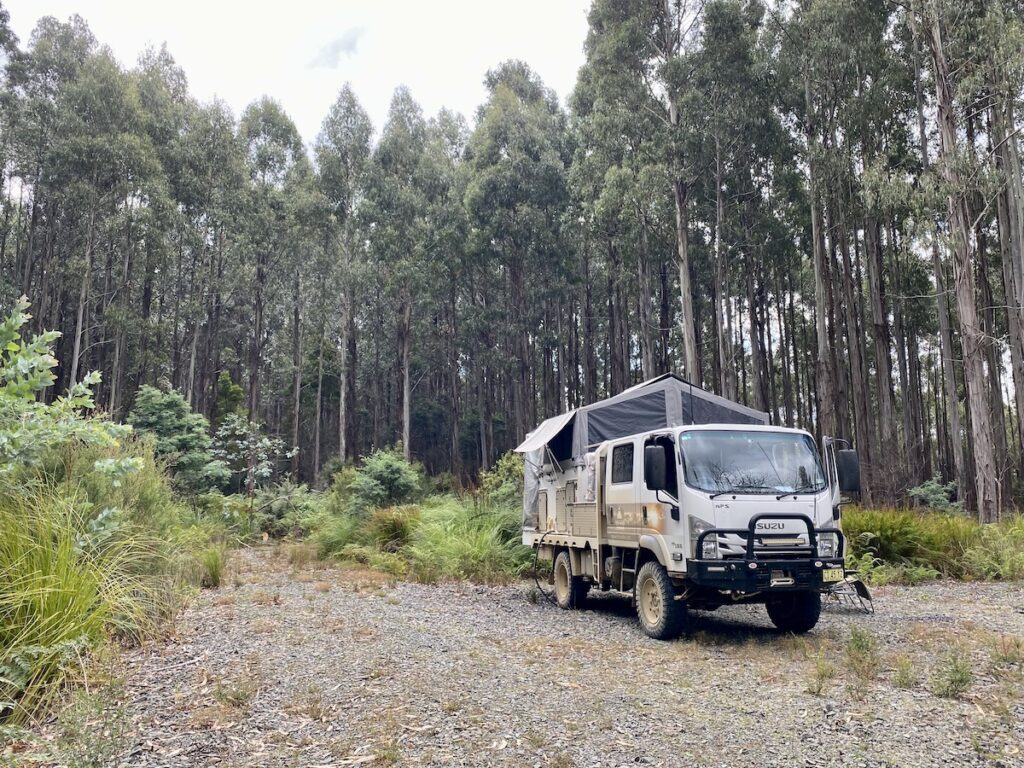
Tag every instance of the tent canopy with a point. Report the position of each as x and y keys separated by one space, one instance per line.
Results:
x=665 y=401
x=545 y=433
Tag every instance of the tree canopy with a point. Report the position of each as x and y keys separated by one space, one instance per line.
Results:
x=814 y=207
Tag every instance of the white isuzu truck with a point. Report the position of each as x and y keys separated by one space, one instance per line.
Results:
x=683 y=499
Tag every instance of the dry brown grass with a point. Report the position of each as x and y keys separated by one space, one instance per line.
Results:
x=312 y=704
x=264 y=626
x=266 y=598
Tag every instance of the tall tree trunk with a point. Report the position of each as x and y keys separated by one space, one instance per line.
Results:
x=405 y=350
x=644 y=278
x=318 y=408
x=455 y=462
x=825 y=391
x=972 y=336
x=951 y=404
x=691 y=365
x=887 y=458
x=296 y=373
x=83 y=297
x=1010 y=219
x=725 y=372
x=859 y=382
x=343 y=389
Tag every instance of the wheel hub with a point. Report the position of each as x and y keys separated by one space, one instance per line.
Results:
x=650 y=601
x=561 y=583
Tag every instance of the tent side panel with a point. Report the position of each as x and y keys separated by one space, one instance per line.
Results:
x=628 y=417
x=700 y=410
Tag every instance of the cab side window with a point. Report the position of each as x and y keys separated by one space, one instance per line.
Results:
x=622 y=463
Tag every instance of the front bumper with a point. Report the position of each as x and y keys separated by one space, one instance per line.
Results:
x=760 y=570
x=742 y=575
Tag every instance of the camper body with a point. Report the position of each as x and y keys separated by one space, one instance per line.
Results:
x=693 y=516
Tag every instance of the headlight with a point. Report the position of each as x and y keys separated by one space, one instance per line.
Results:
x=709 y=549
x=828 y=545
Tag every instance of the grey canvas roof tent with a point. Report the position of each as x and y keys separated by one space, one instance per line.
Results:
x=665 y=401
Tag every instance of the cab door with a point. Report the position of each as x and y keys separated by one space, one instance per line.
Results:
x=623 y=473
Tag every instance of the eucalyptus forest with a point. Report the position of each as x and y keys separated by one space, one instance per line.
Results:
x=814 y=207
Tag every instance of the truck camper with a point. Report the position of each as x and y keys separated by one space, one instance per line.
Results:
x=683 y=499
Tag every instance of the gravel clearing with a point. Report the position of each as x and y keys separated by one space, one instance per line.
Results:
x=335 y=667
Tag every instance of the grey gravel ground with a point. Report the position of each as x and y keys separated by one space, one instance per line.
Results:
x=331 y=667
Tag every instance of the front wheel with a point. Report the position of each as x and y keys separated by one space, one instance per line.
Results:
x=661 y=615
x=795 y=612
x=570 y=591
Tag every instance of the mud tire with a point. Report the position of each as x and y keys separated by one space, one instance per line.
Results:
x=661 y=615
x=570 y=591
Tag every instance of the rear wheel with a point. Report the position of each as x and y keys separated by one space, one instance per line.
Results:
x=661 y=615
x=570 y=591
x=796 y=612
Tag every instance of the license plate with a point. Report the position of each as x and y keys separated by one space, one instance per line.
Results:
x=832 y=574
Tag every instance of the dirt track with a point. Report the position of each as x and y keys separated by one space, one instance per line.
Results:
x=331 y=667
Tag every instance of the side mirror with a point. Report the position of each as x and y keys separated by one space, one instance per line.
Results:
x=655 y=471
x=848 y=469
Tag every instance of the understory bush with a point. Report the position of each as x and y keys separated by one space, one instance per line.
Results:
x=181 y=436
x=908 y=546
x=93 y=544
x=384 y=478
x=374 y=514
x=443 y=538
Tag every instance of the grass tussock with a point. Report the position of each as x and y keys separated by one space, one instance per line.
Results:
x=93 y=547
x=953 y=676
x=903 y=546
x=64 y=587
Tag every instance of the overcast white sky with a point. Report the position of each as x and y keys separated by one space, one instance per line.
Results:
x=300 y=52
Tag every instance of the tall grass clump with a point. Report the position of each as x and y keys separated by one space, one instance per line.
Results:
x=460 y=539
x=913 y=545
x=63 y=589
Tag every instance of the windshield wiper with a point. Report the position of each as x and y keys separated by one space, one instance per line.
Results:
x=737 y=489
x=795 y=491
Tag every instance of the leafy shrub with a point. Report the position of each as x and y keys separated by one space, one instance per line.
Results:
x=932 y=494
x=383 y=479
x=503 y=483
x=251 y=457
x=181 y=436
x=31 y=430
x=230 y=397
x=286 y=509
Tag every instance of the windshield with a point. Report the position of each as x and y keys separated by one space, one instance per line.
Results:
x=751 y=462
